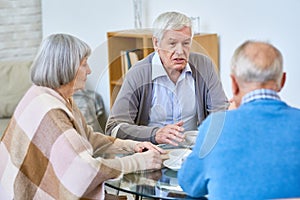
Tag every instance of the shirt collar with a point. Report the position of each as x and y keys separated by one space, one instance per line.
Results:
x=159 y=70
x=260 y=94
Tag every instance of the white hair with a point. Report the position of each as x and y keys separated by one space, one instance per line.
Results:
x=170 y=21
x=57 y=60
x=247 y=70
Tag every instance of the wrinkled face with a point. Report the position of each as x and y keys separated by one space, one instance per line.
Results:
x=174 y=48
x=81 y=75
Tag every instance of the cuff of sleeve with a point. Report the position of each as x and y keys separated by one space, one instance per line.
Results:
x=153 y=134
x=126 y=145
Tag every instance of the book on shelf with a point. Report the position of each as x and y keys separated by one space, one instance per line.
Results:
x=128 y=59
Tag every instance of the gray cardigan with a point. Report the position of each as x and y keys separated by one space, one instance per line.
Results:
x=130 y=113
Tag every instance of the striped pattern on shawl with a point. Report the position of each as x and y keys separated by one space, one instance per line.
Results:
x=47 y=151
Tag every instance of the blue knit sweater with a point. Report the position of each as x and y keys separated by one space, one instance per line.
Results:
x=252 y=152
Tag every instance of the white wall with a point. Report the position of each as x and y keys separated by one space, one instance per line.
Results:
x=89 y=20
x=233 y=20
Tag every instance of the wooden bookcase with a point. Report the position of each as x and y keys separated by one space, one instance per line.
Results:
x=142 y=39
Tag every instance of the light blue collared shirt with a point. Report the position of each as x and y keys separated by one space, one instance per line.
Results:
x=260 y=94
x=171 y=102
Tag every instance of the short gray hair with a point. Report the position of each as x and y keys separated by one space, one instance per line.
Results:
x=170 y=21
x=57 y=60
x=247 y=69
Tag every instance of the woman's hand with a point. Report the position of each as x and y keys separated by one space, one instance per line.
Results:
x=145 y=146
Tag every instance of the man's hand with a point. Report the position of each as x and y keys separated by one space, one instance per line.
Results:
x=232 y=105
x=170 y=134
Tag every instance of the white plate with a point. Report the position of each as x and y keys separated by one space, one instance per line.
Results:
x=171 y=165
x=179 y=154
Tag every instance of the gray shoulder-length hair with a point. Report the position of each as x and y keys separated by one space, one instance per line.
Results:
x=57 y=60
x=170 y=21
x=247 y=70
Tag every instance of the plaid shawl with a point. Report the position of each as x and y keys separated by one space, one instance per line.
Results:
x=47 y=151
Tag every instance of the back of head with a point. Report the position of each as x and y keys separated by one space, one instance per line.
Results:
x=257 y=62
x=170 y=21
x=57 y=60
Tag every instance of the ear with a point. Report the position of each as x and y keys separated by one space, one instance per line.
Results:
x=283 y=79
x=234 y=85
x=155 y=43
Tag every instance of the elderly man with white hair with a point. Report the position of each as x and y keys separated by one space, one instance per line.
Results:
x=170 y=91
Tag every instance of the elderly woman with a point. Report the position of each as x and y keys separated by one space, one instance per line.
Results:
x=169 y=91
x=48 y=151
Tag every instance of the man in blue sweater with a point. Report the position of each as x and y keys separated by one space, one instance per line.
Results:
x=252 y=152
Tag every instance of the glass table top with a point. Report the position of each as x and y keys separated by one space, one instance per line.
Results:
x=160 y=184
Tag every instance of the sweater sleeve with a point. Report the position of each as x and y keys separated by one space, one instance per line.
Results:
x=216 y=98
x=72 y=152
x=128 y=118
x=209 y=90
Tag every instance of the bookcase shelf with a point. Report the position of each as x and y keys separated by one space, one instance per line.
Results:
x=118 y=41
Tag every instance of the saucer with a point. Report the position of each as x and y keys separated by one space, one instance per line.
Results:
x=179 y=154
x=171 y=164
